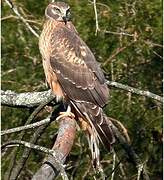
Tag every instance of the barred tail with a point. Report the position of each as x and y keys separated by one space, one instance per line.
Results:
x=98 y=121
x=103 y=128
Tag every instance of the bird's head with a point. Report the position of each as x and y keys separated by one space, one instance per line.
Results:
x=58 y=11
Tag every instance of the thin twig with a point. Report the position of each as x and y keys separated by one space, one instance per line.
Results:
x=118 y=33
x=158 y=55
x=130 y=152
x=150 y=43
x=114 y=164
x=121 y=127
x=39 y=148
x=101 y=4
x=140 y=169
x=135 y=90
x=14 y=152
x=16 y=17
x=15 y=10
x=116 y=52
x=121 y=167
x=96 y=17
x=10 y=71
x=30 y=126
x=17 y=169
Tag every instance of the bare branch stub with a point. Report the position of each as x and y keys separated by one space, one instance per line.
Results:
x=62 y=148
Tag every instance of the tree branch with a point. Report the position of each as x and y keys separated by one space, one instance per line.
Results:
x=118 y=33
x=28 y=145
x=39 y=148
x=14 y=172
x=29 y=126
x=15 y=10
x=135 y=90
x=62 y=147
x=29 y=99
x=131 y=153
x=32 y=99
x=96 y=17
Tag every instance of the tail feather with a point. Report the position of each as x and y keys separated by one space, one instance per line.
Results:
x=103 y=129
x=97 y=120
x=98 y=129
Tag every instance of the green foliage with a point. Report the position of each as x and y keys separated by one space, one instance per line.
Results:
x=138 y=65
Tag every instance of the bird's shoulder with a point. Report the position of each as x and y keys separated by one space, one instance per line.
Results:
x=67 y=43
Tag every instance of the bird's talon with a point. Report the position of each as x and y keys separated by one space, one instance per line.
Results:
x=65 y=114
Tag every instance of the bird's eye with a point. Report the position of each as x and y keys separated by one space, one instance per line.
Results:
x=68 y=12
x=57 y=9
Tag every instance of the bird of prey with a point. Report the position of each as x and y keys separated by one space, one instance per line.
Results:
x=74 y=75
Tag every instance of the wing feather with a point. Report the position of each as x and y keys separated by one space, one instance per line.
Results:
x=76 y=68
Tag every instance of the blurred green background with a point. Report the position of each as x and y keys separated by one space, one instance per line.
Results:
x=133 y=58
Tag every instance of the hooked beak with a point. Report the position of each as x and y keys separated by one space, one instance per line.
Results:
x=65 y=19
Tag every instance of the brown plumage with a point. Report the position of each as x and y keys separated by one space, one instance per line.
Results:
x=73 y=73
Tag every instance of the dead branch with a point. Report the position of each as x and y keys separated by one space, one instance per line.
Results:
x=32 y=99
x=118 y=33
x=39 y=148
x=96 y=17
x=29 y=99
x=14 y=172
x=131 y=154
x=27 y=144
x=62 y=147
x=18 y=168
x=29 y=126
x=15 y=17
x=135 y=90
x=15 y=10
x=113 y=167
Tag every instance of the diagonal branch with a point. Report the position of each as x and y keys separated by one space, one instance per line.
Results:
x=29 y=126
x=37 y=134
x=130 y=152
x=13 y=172
x=28 y=145
x=15 y=10
x=39 y=148
x=62 y=147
